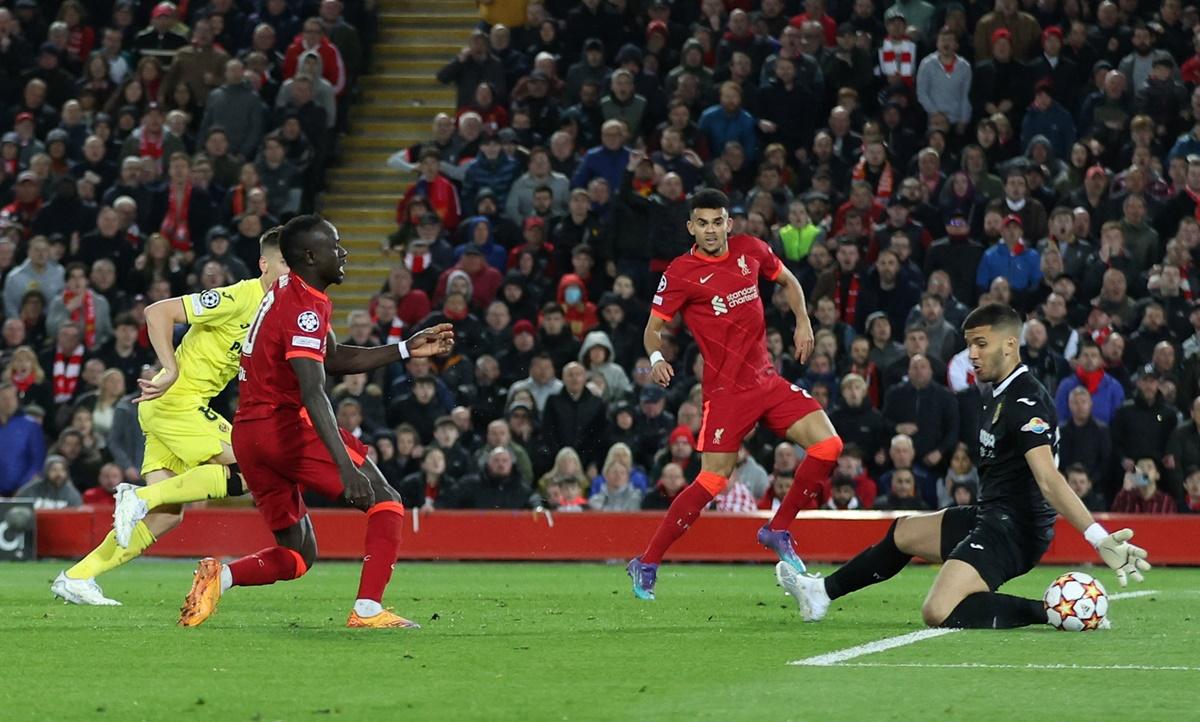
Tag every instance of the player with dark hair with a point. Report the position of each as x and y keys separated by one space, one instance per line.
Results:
x=1005 y=534
x=715 y=287
x=188 y=456
x=287 y=438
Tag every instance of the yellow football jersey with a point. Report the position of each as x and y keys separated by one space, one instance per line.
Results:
x=211 y=350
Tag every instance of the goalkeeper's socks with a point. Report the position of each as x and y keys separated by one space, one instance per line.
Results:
x=807 y=483
x=872 y=565
x=109 y=556
x=683 y=512
x=990 y=610
x=208 y=481
x=385 y=521
x=273 y=564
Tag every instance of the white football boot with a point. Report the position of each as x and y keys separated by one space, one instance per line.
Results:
x=81 y=591
x=807 y=589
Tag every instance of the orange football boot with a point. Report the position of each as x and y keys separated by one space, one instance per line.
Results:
x=386 y=619
x=202 y=599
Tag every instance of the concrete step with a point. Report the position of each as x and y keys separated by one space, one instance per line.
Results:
x=335 y=198
x=382 y=117
x=411 y=65
x=438 y=14
x=390 y=91
x=405 y=33
x=351 y=216
x=465 y=7
x=421 y=48
x=403 y=136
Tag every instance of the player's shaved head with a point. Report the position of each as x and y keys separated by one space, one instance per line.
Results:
x=298 y=236
x=269 y=240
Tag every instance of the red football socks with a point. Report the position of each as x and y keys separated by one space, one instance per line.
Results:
x=683 y=512
x=273 y=564
x=811 y=474
x=385 y=522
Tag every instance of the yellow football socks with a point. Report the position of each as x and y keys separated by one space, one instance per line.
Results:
x=198 y=484
x=110 y=556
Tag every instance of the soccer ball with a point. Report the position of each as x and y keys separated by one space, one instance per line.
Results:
x=1076 y=602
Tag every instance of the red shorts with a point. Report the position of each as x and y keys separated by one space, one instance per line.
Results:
x=279 y=462
x=728 y=418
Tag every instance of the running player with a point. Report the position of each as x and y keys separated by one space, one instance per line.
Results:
x=715 y=287
x=287 y=438
x=188 y=454
x=1004 y=536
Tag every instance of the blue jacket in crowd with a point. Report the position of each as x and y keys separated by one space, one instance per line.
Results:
x=720 y=127
x=600 y=162
x=24 y=450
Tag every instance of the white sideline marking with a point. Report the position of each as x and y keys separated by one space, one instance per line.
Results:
x=842 y=656
x=973 y=665
x=1132 y=595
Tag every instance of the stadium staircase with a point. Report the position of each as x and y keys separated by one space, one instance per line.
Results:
x=400 y=96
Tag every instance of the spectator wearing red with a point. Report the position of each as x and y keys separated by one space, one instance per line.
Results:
x=438 y=191
x=26 y=203
x=492 y=113
x=311 y=37
x=815 y=10
x=535 y=242
x=81 y=38
x=104 y=493
x=580 y=313
x=1140 y=493
x=485 y=280
x=897 y=52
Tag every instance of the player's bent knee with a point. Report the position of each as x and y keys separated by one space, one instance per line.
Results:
x=827 y=449
x=712 y=482
x=933 y=614
x=163 y=519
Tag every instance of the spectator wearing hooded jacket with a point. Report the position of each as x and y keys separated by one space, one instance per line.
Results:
x=596 y=354
x=236 y=107
x=579 y=312
x=479 y=235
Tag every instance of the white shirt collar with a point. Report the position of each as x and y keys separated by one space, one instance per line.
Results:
x=999 y=388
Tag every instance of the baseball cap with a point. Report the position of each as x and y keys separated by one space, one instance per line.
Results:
x=507 y=135
x=1052 y=30
x=651 y=394
x=1010 y=219
x=875 y=317
x=656 y=26
x=162 y=9
x=1094 y=171
x=523 y=326
x=593 y=44
x=1001 y=34
x=24 y=115
x=10 y=137
x=535 y=222
x=893 y=13
x=472 y=250
x=488 y=137
x=27 y=175
x=1148 y=372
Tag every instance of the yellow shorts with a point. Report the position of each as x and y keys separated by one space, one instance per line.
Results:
x=181 y=435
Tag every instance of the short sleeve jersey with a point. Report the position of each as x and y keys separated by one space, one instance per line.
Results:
x=292 y=322
x=1018 y=415
x=210 y=351
x=720 y=303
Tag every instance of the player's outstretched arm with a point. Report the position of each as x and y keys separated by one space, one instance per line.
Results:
x=660 y=371
x=433 y=341
x=311 y=376
x=1126 y=559
x=803 y=338
x=161 y=319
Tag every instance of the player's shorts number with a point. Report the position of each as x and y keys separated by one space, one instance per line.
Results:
x=208 y=413
x=252 y=334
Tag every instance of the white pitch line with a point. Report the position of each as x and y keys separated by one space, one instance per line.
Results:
x=842 y=656
x=880 y=645
x=1132 y=595
x=973 y=665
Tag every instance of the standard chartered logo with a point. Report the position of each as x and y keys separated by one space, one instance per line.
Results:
x=722 y=304
x=719 y=306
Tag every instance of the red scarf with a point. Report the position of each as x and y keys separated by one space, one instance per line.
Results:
x=85 y=316
x=847 y=314
x=175 y=223
x=237 y=203
x=886 y=179
x=151 y=146
x=417 y=262
x=66 y=373
x=23 y=383
x=1090 y=379
x=1017 y=249
x=643 y=187
x=396 y=332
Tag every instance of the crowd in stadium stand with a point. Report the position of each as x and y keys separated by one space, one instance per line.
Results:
x=906 y=160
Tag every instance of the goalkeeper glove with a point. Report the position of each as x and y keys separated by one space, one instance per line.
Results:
x=1127 y=560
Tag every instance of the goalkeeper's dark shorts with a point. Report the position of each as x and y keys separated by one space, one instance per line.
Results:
x=992 y=542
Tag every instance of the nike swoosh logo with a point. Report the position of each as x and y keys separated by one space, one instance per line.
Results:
x=1026 y=401
x=704 y=279
x=976 y=546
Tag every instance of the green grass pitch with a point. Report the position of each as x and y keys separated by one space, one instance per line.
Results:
x=569 y=642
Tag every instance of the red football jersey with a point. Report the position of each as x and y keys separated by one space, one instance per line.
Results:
x=721 y=307
x=292 y=321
